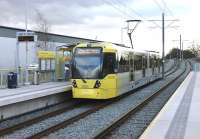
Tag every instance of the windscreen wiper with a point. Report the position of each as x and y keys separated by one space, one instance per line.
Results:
x=81 y=77
x=80 y=74
x=83 y=80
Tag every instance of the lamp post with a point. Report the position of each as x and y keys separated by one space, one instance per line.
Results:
x=163 y=45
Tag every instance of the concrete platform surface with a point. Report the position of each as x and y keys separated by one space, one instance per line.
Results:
x=11 y=96
x=180 y=117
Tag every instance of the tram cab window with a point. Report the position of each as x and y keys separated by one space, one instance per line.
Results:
x=109 y=63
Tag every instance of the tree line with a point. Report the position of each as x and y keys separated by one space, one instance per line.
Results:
x=192 y=52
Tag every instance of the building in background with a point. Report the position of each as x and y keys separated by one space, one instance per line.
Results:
x=8 y=53
x=8 y=45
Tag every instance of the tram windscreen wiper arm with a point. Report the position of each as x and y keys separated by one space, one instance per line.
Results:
x=81 y=77
x=83 y=80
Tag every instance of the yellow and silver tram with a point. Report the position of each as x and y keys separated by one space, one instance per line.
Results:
x=105 y=70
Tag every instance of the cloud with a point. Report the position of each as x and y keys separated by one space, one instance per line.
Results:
x=104 y=18
x=56 y=12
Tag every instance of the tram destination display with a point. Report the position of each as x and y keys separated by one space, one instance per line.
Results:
x=88 y=51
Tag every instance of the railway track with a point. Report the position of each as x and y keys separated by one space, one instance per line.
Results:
x=172 y=70
x=74 y=119
x=172 y=67
x=106 y=132
x=37 y=119
x=57 y=112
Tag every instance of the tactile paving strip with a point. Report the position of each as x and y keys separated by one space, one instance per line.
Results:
x=178 y=124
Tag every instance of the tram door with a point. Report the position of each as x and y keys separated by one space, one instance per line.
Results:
x=143 y=68
x=131 y=66
x=153 y=64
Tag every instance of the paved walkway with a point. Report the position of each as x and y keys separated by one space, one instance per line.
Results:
x=180 y=117
x=10 y=96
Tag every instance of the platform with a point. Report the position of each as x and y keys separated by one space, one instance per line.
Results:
x=10 y=96
x=180 y=117
x=29 y=98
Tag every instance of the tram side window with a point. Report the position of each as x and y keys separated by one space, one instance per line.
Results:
x=151 y=62
x=123 y=63
x=109 y=63
x=138 y=62
x=154 y=61
x=159 y=62
x=145 y=62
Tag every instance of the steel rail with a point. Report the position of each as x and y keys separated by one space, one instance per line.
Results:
x=101 y=134
x=79 y=116
x=67 y=122
x=173 y=70
x=37 y=119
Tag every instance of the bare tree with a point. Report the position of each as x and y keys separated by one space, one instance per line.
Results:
x=42 y=26
x=195 y=48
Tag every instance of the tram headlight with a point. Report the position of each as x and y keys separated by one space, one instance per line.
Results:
x=74 y=84
x=97 y=84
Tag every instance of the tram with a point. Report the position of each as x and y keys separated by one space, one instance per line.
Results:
x=106 y=70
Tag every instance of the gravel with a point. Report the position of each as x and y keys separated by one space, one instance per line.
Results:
x=35 y=128
x=137 y=123
x=87 y=127
x=18 y=119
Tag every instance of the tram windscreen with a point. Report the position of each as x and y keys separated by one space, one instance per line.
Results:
x=87 y=63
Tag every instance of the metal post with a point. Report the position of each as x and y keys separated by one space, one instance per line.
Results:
x=1 y=86
x=180 y=47
x=148 y=58
x=17 y=62
x=26 y=25
x=182 y=50
x=26 y=14
x=177 y=53
x=163 y=44
x=27 y=75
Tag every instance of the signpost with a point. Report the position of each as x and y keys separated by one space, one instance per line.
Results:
x=26 y=37
x=21 y=38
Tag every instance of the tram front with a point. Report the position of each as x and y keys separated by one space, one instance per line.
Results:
x=88 y=78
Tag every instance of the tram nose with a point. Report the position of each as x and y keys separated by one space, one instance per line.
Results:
x=88 y=84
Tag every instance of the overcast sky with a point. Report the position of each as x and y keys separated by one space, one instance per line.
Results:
x=103 y=19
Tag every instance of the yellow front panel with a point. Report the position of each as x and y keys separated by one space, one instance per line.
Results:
x=109 y=81
x=94 y=93
x=87 y=85
x=108 y=88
